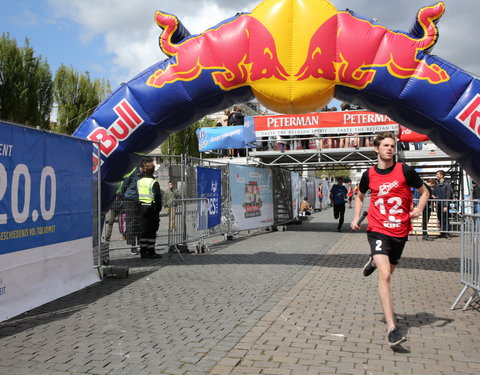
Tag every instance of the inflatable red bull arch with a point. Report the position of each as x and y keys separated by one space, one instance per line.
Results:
x=294 y=56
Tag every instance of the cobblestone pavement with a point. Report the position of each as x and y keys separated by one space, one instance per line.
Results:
x=291 y=302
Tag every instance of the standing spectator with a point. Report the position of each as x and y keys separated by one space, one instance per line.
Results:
x=305 y=141
x=132 y=208
x=282 y=141
x=430 y=185
x=338 y=194
x=320 y=195
x=389 y=220
x=169 y=196
x=223 y=121
x=476 y=197
x=224 y=118
x=116 y=210
x=444 y=192
x=150 y=199
x=350 y=194
x=418 y=145
x=235 y=118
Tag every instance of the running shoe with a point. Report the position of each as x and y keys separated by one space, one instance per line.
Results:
x=369 y=267
x=395 y=337
x=134 y=250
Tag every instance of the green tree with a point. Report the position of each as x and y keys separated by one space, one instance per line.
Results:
x=340 y=170
x=26 y=90
x=185 y=141
x=76 y=96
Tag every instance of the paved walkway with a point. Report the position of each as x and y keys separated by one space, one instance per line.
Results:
x=290 y=302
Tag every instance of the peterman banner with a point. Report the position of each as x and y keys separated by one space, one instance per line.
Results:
x=346 y=122
x=252 y=197
x=209 y=185
x=225 y=137
x=45 y=217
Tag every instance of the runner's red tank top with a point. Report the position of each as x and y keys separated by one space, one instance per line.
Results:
x=390 y=203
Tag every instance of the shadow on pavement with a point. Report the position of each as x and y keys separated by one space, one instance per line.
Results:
x=321 y=260
x=63 y=307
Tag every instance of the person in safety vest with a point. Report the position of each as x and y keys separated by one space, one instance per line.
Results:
x=150 y=199
x=389 y=220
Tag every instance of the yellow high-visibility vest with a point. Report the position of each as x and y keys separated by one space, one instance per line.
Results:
x=145 y=190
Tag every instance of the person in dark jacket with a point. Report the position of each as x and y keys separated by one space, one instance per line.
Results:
x=150 y=200
x=132 y=209
x=338 y=195
x=444 y=192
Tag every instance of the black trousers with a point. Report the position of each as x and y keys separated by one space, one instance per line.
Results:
x=442 y=215
x=132 y=233
x=339 y=213
x=427 y=211
x=150 y=221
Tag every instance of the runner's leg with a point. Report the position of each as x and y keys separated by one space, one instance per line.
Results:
x=385 y=271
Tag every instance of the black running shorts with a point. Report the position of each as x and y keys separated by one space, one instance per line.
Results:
x=391 y=246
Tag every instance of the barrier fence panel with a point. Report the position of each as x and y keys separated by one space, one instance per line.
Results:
x=442 y=217
x=188 y=222
x=227 y=218
x=470 y=258
x=282 y=196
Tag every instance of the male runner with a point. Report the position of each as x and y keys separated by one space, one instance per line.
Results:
x=389 y=220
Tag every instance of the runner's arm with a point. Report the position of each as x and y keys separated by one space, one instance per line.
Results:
x=424 y=195
x=357 y=210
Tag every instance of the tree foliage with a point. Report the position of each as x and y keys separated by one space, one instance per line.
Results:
x=185 y=141
x=26 y=92
x=76 y=96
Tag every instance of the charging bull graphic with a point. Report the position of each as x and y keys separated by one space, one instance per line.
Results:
x=233 y=62
x=363 y=47
x=290 y=69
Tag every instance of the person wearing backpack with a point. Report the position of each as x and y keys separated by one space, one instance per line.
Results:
x=132 y=208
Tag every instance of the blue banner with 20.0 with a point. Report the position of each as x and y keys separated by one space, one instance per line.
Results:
x=45 y=188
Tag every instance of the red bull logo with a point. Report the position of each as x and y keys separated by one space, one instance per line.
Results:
x=256 y=50
x=126 y=123
x=227 y=50
x=360 y=48
x=470 y=115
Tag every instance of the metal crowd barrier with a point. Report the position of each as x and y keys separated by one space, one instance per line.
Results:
x=122 y=228
x=470 y=258
x=187 y=223
x=443 y=216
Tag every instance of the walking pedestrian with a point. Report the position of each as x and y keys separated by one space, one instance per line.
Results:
x=389 y=220
x=338 y=194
